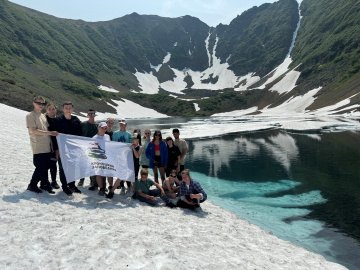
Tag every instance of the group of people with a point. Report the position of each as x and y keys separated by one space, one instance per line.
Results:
x=163 y=157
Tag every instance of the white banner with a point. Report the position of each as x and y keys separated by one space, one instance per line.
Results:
x=83 y=157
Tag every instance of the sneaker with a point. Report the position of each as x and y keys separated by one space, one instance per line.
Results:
x=92 y=188
x=110 y=195
x=170 y=204
x=55 y=185
x=67 y=191
x=81 y=183
x=34 y=189
x=76 y=190
x=48 y=189
x=102 y=192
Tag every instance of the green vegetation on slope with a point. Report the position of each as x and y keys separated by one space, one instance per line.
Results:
x=259 y=39
x=327 y=47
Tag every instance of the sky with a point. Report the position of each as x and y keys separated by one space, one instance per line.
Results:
x=212 y=12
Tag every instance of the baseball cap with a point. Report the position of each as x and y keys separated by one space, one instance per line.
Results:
x=102 y=124
x=122 y=121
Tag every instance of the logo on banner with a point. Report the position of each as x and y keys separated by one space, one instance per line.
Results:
x=95 y=151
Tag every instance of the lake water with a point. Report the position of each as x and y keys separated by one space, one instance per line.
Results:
x=304 y=188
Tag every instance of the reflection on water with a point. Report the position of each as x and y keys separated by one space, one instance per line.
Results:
x=303 y=188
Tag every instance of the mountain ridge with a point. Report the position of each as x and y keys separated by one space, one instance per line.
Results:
x=167 y=57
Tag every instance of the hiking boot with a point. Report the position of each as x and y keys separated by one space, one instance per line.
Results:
x=34 y=189
x=55 y=185
x=171 y=205
x=81 y=182
x=92 y=188
x=67 y=191
x=76 y=190
x=102 y=192
x=110 y=195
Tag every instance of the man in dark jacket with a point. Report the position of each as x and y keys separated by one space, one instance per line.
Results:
x=67 y=124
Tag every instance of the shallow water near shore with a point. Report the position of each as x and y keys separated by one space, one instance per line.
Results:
x=303 y=187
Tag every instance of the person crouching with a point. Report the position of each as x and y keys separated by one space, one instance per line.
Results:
x=191 y=193
x=144 y=194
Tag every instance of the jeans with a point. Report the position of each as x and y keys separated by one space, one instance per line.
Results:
x=42 y=165
x=155 y=193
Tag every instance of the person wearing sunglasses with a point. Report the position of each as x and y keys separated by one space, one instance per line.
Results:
x=40 y=142
x=89 y=129
x=171 y=185
x=157 y=154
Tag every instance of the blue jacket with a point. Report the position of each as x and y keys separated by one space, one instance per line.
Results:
x=150 y=154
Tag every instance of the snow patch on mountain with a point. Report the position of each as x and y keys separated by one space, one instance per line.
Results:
x=107 y=89
x=129 y=109
x=225 y=78
x=148 y=82
x=335 y=108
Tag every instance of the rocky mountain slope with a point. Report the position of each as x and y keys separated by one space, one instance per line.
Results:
x=262 y=59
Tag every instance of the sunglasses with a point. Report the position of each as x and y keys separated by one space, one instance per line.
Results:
x=173 y=175
x=91 y=113
x=40 y=103
x=147 y=133
x=156 y=134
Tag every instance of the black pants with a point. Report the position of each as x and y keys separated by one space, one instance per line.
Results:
x=42 y=165
x=183 y=204
x=64 y=183
x=182 y=167
x=53 y=166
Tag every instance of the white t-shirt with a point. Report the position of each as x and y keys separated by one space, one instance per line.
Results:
x=104 y=138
